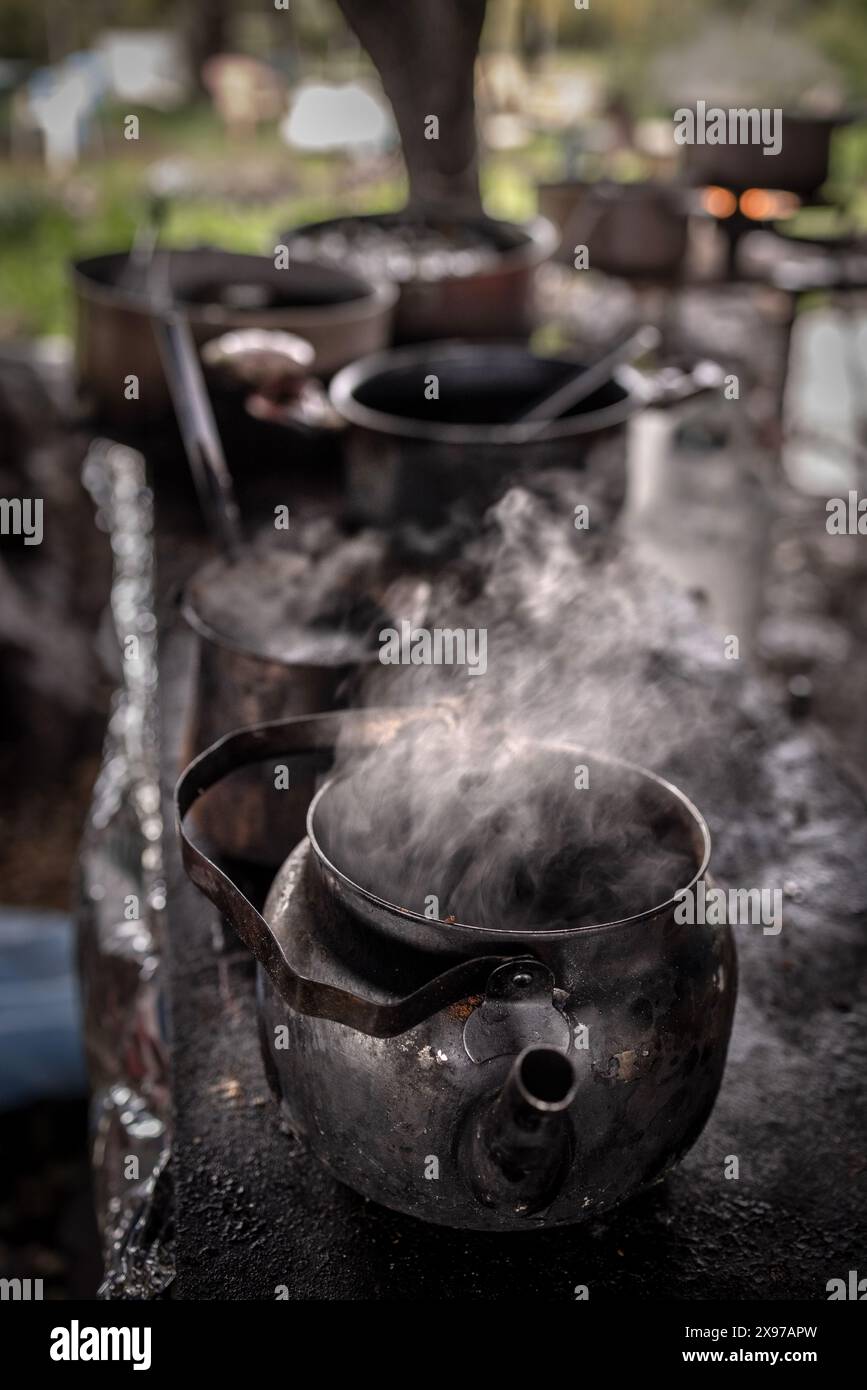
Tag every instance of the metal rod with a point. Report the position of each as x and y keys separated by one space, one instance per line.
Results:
x=195 y=415
x=579 y=387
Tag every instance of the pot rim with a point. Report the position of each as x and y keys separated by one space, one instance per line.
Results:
x=457 y=350
x=540 y=241
x=615 y=187
x=208 y=633
x=473 y=930
x=378 y=296
x=800 y=116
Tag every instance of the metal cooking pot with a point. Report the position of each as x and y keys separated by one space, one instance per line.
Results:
x=241 y=680
x=801 y=166
x=408 y=456
x=496 y=301
x=343 y=316
x=251 y=818
x=540 y=1076
x=630 y=229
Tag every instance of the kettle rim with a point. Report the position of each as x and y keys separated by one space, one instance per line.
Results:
x=700 y=834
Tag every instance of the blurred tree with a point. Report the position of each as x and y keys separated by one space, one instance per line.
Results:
x=843 y=39
x=539 y=28
x=208 y=30
x=44 y=31
x=622 y=32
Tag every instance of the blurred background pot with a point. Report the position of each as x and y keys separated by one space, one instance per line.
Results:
x=248 y=817
x=801 y=166
x=410 y=457
x=630 y=229
x=341 y=315
x=458 y=276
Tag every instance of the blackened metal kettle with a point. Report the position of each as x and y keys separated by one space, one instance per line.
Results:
x=477 y=1078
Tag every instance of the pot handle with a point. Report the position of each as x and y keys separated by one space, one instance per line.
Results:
x=311 y=409
x=669 y=386
x=313 y=998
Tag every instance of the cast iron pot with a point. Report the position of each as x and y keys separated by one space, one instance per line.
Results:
x=409 y=456
x=341 y=315
x=473 y=1077
x=630 y=229
x=800 y=167
x=495 y=302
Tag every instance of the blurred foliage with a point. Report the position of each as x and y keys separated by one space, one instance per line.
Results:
x=45 y=30
x=629 y=31
x=839 y=30
x=44 y=224
x=43 y=227
x=97 y=207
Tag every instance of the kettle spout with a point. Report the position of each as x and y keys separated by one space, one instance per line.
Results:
x=518 y=1146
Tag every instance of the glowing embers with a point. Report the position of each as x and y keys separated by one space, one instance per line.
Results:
x=756 y=204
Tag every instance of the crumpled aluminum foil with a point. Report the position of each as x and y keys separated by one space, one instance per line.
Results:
x=120 y=914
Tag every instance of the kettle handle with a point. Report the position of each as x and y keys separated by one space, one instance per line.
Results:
x=314 y=998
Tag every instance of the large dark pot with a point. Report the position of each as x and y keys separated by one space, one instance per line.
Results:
x=470 y=1076
x=801 y=166
x=497 y=300
x=341 y=315
x=411 y=457
x=630 y=229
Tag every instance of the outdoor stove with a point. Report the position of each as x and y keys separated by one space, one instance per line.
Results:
x=265 y=1213
x=239 y=1188
x=777 y=786
x=737 y=212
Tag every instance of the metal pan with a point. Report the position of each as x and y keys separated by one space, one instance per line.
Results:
x=343 y=316
x=495 y=301
x=409 y=457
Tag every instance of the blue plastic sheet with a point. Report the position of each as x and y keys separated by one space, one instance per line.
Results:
x=41 y=1052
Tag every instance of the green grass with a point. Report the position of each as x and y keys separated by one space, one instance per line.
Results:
x=45 y=224
x=40 y=234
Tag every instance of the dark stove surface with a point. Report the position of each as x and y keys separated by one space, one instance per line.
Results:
x=258 y=1219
